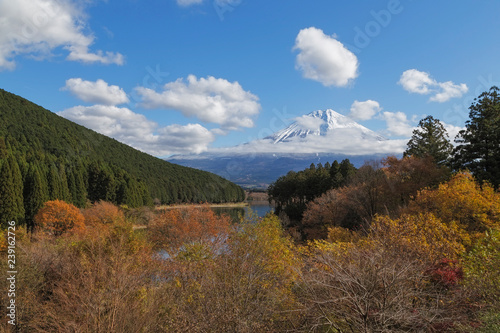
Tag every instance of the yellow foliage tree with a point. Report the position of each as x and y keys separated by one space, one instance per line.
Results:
x=57 y=217
x=475 y=208
x=421 y=236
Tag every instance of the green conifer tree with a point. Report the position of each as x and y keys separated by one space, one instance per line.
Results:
x=34 y=195
x=430 y=139
x=478 y=145
x=7 y=202
x=17 y=189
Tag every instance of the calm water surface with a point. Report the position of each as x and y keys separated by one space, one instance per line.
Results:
x=260 y=209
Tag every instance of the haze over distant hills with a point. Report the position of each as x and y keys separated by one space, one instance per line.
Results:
x=318 y=137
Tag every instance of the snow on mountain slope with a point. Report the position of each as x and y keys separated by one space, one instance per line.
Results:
x=322 y=123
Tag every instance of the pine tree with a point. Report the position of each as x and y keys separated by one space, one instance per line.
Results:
x=430 y=139
x=479 y=148
x=17 y=188
x=347 y=169
x=34 y=195
x=54 y=183
x=6 y=194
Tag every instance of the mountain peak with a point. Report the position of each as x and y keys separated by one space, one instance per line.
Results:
x=322 y=123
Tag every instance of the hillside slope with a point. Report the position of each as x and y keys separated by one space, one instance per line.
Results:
x=73 y=162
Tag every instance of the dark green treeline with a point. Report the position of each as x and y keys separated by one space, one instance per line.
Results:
x=292 y=192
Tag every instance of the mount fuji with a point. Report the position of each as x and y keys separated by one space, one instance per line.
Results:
x=318 y=137
x=323 y=123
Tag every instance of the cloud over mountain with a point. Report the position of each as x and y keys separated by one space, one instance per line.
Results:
x=364 y=110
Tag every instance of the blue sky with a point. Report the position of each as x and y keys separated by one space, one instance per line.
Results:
x=183 y=76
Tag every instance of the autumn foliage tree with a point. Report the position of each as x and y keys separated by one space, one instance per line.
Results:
x=421 y=236
x=173 y=228
x=462 y=200
x=103 y=212
x=58 y=217
x=382 y=188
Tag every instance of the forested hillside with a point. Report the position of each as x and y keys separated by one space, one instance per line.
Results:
x=44 y=156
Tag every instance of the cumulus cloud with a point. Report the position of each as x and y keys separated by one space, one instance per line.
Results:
x=418 y=82
x=99 y=92
x=364 y=110
x=324 y=59
x=212 y=100
x=397 y=124
x=36 y=27
x=139 y=132
x=449 y=90
x=309 y=123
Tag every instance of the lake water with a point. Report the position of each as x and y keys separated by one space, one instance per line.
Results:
x=260 y=209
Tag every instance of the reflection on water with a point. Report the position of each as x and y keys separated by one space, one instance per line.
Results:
x=236 y=213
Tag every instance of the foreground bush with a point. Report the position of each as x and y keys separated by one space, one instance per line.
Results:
x=103 y=212
x=247 y=287
x=58 y=217
x=173 y=228
x=370 y=289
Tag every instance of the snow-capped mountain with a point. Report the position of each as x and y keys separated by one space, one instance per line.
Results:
x=322 y=123
x=318 y=137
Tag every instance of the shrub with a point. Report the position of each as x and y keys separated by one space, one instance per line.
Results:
x=57 y=217
x=173 y=228
x=103 y=212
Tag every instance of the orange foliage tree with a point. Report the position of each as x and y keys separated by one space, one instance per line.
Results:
x=57 y=217
x=103 y=212
x=174 y=228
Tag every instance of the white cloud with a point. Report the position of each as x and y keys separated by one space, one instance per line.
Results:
x=397 y=124
x=415 y=81
x=449 y=90
x=309 y=123
x=186 y=3
x=418 y=82
x=98 y=92
x=324 y=59
x=342 y=141
x=36 y=27
x=209 y=99
x=364 y=110
x=139 y=132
